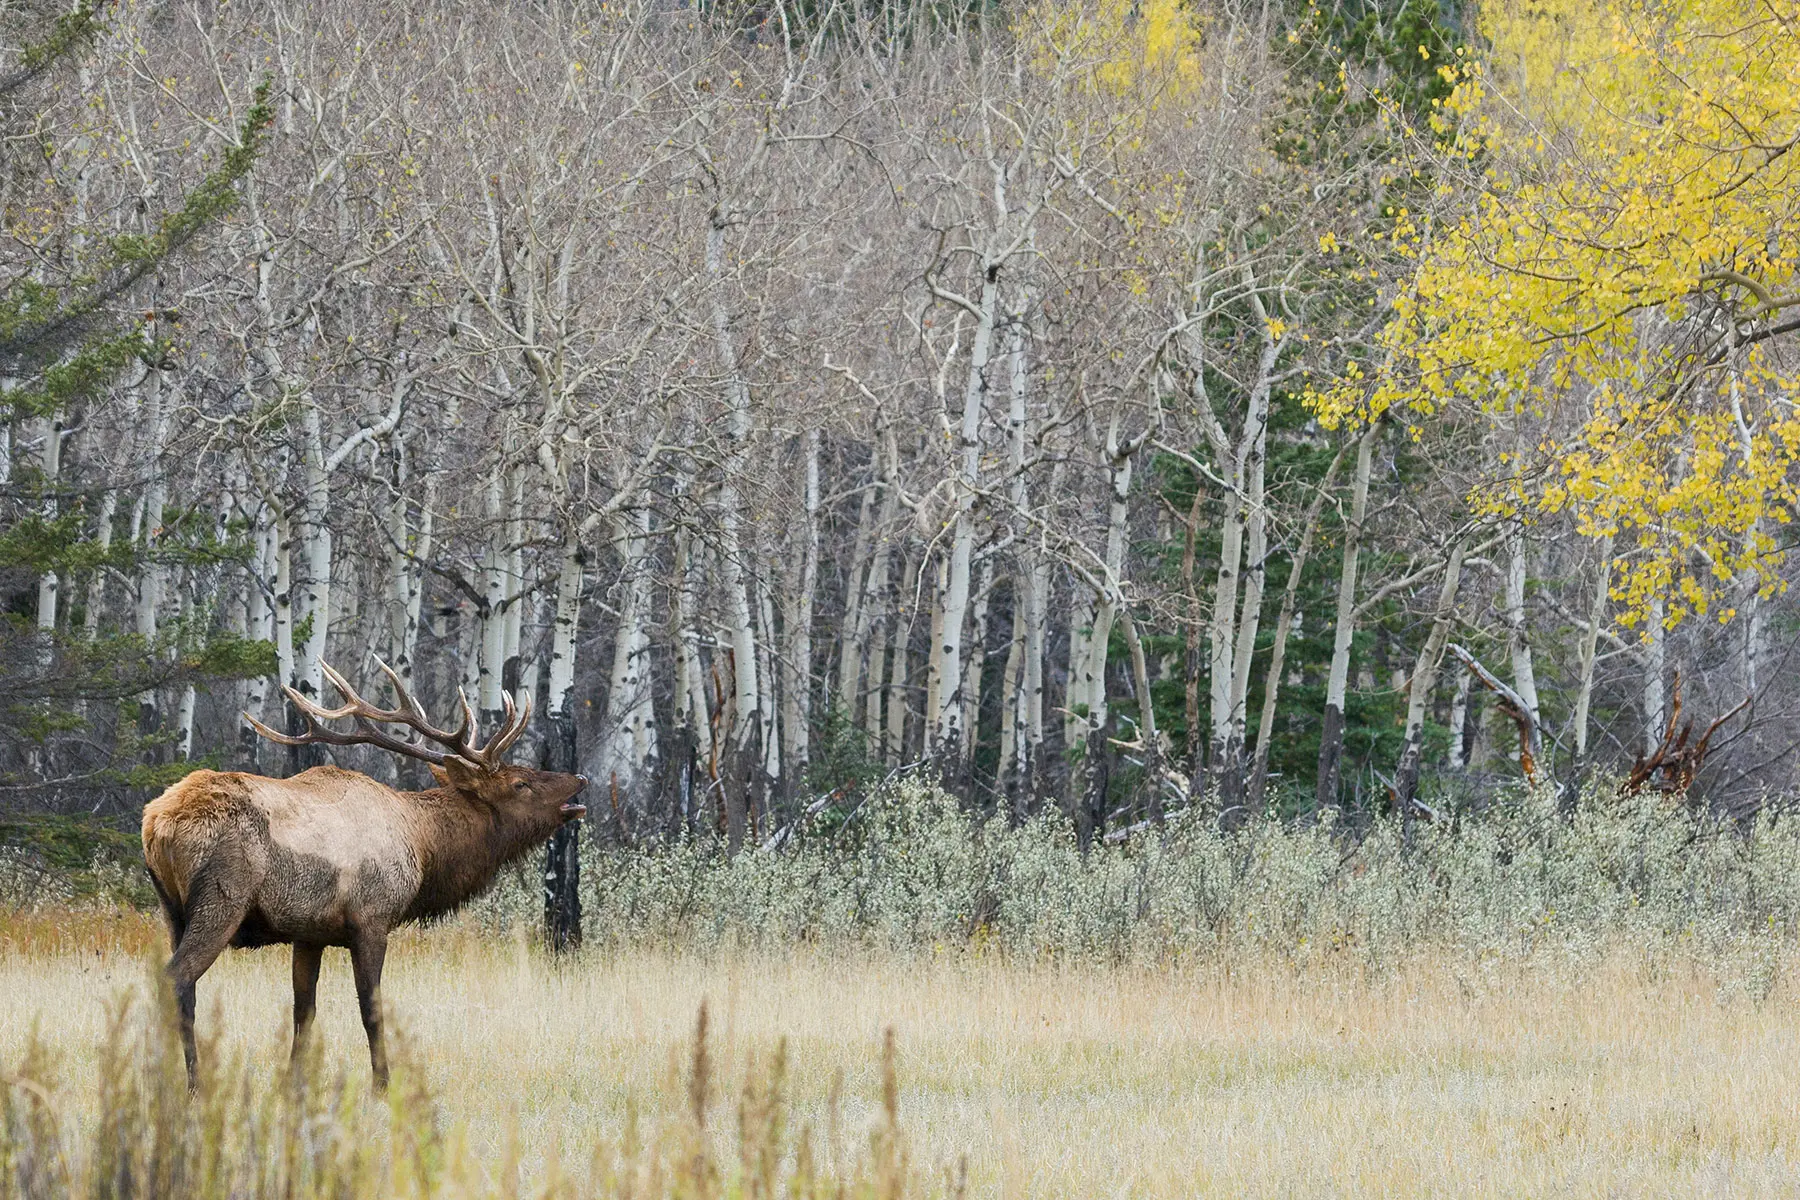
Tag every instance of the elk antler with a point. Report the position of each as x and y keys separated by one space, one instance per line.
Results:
x=408 y=713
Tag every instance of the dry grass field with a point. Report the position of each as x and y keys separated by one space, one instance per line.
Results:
x=1437 y=1077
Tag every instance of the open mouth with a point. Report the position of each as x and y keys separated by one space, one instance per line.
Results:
x=571 y=811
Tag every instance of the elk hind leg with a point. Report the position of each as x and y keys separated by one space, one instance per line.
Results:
x=306 y=985
x=368 y=949
x=210 y=919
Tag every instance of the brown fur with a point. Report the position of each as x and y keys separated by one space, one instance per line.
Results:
x=332 y=858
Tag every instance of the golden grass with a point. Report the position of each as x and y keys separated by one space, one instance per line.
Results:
x=1440 y=1077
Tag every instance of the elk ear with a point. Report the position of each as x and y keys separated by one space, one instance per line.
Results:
x=461 y=776
x=442 y=776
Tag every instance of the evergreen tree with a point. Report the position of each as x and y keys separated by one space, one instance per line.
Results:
x=68 y=329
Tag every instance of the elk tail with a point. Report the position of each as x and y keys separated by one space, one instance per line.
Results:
x=171 y=910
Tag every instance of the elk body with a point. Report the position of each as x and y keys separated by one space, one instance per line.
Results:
x=333 y=858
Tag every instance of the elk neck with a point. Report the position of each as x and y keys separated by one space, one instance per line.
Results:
x=462 y=842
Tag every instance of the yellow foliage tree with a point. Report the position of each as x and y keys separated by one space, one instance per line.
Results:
x=1623 y=276
x=1119 y=46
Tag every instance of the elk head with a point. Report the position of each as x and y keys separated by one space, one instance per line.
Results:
x=527 y=796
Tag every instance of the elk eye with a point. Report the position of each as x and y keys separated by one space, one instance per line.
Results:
x=520 y=786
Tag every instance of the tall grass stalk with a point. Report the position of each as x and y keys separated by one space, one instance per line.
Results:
x=307 y=1133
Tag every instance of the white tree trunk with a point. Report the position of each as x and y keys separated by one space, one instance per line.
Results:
x=854 y=639
x=50 y=465
x=1009 y=771
x=513 y=622
x=184 y=724
x=232 y=594
x=1243 y=546
x=1252 y=467
x=1590 y=645
x=96 y=586
x=692 y=711
x=1424 y=678
x=945 y=716
x=870 y=618
x=282 y=616
x=1337 y=684
x=406 y=577
x=1031 y=580
x=976 y=663
x=530 y=746
x=874 y=724
x=934 y=663
x=899 y=703
x=155 y=495
x=314 y=609
x=1222 y=630
x=1518 y=642
x=766 y=643
x=565 y=625
x=1078 y=696
x=628 y=745
x=1037 y=648
x=1459 y=721
x=1098 y=639
x=1655 y=702
x=798 y=718
x=749 y=715
x=491 y=671
x=259 y=625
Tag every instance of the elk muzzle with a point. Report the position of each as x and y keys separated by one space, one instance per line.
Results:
x=571 y=810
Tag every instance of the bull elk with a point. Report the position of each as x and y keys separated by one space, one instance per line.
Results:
x=333 y=858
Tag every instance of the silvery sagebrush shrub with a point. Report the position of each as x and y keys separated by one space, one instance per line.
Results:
x=910 y=869
x=26 y=884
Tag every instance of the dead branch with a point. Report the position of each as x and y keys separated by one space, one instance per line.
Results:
x=1671 y=767
x=1530 y=738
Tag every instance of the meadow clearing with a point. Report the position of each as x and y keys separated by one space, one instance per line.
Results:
x=1441 y=1075
x=1528 y=1002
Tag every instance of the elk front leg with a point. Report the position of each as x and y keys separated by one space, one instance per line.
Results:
x=367 y=952
x=306 y=985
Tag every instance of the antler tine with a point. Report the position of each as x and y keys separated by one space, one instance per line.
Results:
x=343 y=686
x=316 y=713
x=405 y=697
x=519 y=727
x=313 y=710
x=282 y=738
x=467 y=729
x=408 y=712
x=510 y=731
x=460 y=743
x=485 y=756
